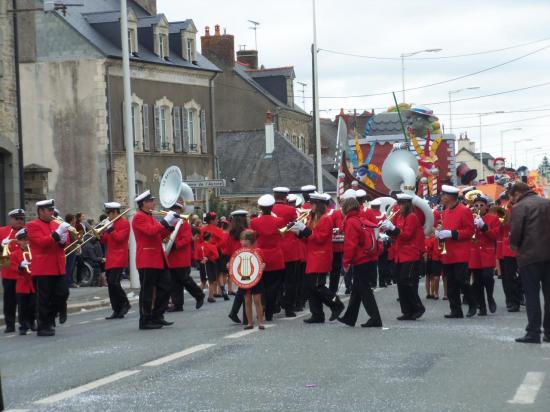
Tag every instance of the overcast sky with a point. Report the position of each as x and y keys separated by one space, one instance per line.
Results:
x=388 y=29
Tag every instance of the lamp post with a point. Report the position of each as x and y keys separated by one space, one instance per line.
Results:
x=403 y=55
x=516 y=149
x=481 y=140
x=502 y=138
x=316 y=118
x=451 y=92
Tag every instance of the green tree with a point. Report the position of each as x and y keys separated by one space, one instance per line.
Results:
x=544 y=167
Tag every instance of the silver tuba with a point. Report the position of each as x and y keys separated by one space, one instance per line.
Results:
x=399 y=173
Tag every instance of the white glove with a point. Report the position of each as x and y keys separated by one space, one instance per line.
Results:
x=478 y=221
x=443 y=234
x=383 y=237
x=62 y=229
x=5 y=242
x=25 y=264
x=171 y=218
x=387 y=226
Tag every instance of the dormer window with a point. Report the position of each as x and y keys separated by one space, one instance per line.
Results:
x=132 y=33
x=189 y=43
x=163 y=49
x=161 y=32
x=190 y=50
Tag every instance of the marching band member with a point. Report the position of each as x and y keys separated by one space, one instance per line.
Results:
x=318 y=232
x=337 y=248
x=47 y=240
x=457 y=231
x=291 y=251
x=218 y=237
x=360 y=251
x=239 y=223
x=26 y=299
x=433 y=261
x=483 y=255
x=115 y=239
x=407 y=231
x=151 y=262
x=266 y=226
x=9 y=274
x=307 y=190
x=179 y=263
x=301 y=270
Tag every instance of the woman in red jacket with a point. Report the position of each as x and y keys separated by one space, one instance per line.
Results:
x=318 y=232
x=361 y=252
x=206 y=253
x=407 y=232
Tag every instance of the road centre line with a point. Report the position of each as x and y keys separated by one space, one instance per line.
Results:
x=86 y=388
x=528 y=390
x=178 y=355
x=245 y=332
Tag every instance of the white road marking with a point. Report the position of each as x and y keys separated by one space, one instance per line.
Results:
x=528 y=390
x=178 y=355
x=246 y=332
x=85 y=388
x=16 y=410
x=84 y=322
x=307 y=313
x=96 y=319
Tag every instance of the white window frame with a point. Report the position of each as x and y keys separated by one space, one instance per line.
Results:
x=165 y=106
x=193 y=126
x=190 y=49
x=137 y=122
x=132 y=32
x=161 y=39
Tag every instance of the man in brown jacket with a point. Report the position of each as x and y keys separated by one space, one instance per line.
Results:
x=530 y=237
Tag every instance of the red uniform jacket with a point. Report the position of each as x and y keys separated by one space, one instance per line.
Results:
x=432 y=249
x=338 y=223
x=149 y=235
x=406 y=235
x=460 y=220
x=319 y=246
x=269 y=240
x=370 y=215
x=358 y=248
x=7 y=232
x=504 y=237
x=218 y=235
x=289 y=244
x=48 y=255
x=483 y=249
x=206 y=250
x=24 y=283
x=231 y=245
x=116 y=243
x=180 y=255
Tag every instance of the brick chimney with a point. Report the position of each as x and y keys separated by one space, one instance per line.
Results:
x=149 y=5
x=249 y=58
x=219 y=48
x=269 y=135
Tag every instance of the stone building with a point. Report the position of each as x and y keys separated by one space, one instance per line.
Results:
x=72 y=101
x=9 y=160
x=467 y=153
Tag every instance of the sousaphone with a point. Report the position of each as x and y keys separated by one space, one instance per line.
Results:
x=172 y=188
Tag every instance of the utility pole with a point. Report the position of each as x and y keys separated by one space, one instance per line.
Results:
x=317 y=120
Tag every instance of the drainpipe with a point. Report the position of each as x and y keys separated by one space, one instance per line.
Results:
x=111 y=182
x=18 y=98
x=213 y=128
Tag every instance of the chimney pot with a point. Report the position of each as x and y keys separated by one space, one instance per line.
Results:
x=207 y=31
x=217 y=28
x=269 y=135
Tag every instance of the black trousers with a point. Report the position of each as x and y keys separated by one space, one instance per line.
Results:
x=511 y=282
x=484 y=282
x=300 y=284
x=334 y=278
x=407 y=277
x=154 y=282
x=27 y=310
x=272 y=284
x=533 y=277
x=10 y=302
x=348 y=279
x=117 y=296
x=318 y=294
x=290 y=285
x=181 y=279
x=458 y=280
x=361 y=292
x=384 y=273
x=52 y=293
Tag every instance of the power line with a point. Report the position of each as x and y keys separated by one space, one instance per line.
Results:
x=501 y=123
x=438 y=57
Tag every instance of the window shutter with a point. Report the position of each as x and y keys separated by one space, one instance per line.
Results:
x=176 y=115
x=157 y=128
x=146 y=137
x=204 y=147
x=185 y=131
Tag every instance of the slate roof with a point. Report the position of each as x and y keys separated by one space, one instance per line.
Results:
x=95 y=21
x=273 y=72
x=487 y=157
x=385 y=123
x=242 y=156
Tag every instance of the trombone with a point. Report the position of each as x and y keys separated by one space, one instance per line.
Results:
x=301 y=218
x=71 y=229
x=385 y=217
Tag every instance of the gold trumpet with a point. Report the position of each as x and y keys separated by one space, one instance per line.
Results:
x=387 y=217
x=164 y=213
x=5 y=258
x=441 y=243
x=71 y=229
x=27 y=255
x=301 y=218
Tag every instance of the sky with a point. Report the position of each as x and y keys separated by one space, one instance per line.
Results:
x=389 y=29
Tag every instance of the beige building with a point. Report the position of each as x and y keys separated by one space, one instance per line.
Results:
x=467 y=153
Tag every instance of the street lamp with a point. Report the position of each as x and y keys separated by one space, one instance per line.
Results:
x=516 y=149
x=451 y=92
x=481 y=141
x=403 y=55
x=502 y=138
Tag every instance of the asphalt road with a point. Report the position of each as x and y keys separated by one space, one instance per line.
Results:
x=206 y=363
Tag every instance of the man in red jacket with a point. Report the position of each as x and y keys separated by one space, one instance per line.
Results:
x=291 y=250
x=179 y=263
x=9 y=275
x=483 y=255
x=151 y=262
x=47 y=241
x=115 y=238
x=457 y=232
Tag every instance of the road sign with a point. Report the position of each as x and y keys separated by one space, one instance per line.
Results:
x=206 y=184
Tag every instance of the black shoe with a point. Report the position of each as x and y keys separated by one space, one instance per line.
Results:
x=513 y=309
x=492 y=306
x=9 y=329
x=200 y=302
x=174 y=309
x=115 y=315
x=471 y=311
x=546 y=338
x=45 y=332
x=217 y=295
x=277 y=309
x=124 y=311
x=454 y=316
x=269 y=317
x=314 y=320
x=62 y=318
x=162 y=322
x=482 y=312
x=290 y=314
x=23 y=332
x=211 y=300
x=32 y=326
x=234 y=317
x=337 y=309
x=149 y=326
x=418 y=314
x=372 y=323
x=341 y=320
x=406 y=317
x=225 y=296
x=529 y=339
x=429 y=297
